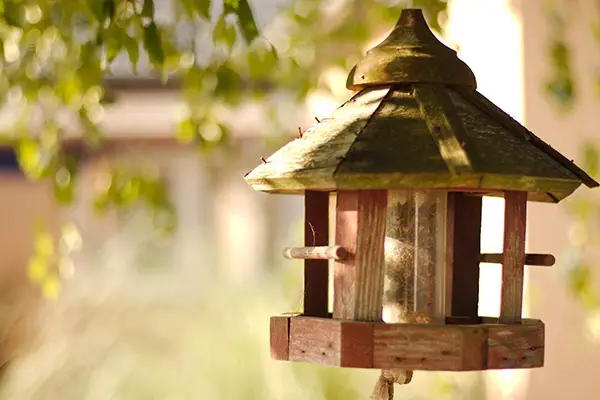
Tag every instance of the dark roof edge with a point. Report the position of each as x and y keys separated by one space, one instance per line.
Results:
x=486 y=106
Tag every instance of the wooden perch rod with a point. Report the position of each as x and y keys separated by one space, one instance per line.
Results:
x=542 y=260
x=316 y=253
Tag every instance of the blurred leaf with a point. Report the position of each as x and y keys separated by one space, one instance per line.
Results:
x=133 y=51
x=153 y=45
x=148 y=9
x=228 y=80
x=51 y=287
x=581 y=283
x=130 y=191
x=37 y=269
x=596 y=31
x=224 y=32
x=186 y=131
x=165 y=220
x=64 y=181
x=242 y=9
x=44 y=244
x=262 y=60
x=108 y=11
x=590 y=158
x=29 y=155
x=203 y=7
x=113 y=48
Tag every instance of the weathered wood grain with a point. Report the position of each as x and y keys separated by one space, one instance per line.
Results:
x=358 y=280
x=541 y=260
x=380 y=140
x=356 y=344
x=516 y=346
x=515 y=219
x=316 y=253
x=429 y=347
x=444 y=125
x=463 y=243
x=509 y=123
x=315 y=340
x=315 y=156
x=280 y=329
x=316 y=233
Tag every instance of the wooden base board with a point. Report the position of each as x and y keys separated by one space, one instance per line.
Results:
x=426 y=347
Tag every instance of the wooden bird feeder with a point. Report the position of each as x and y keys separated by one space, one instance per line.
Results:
x=408 y=159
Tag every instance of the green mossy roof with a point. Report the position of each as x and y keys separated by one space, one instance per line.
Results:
x=423 y=134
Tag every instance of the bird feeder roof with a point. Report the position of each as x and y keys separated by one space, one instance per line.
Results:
x=418 y=122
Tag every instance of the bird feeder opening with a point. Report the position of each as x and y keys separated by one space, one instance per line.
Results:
x=415 y=257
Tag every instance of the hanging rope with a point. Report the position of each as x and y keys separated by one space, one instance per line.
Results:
x=384 y=388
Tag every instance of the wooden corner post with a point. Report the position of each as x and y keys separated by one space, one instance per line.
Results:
x=360 y=229
x=463 y=248
x=316 y=272
x=515 y=219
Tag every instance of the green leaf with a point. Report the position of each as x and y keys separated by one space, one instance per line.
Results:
x=581 y=283
x=148 y=9
x=129 y=191
x=203 y=7
x=242 y=9
x=37 y=268
x=108 y=11
x=29 y=155
x=113 y=48
x=153 y=45
x=228 y=80
x=133 y=51
x=224 y=32
x=186 y=131
x=262 y=60
x=44 y=244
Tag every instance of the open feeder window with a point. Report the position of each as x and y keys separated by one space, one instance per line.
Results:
x=408 y=159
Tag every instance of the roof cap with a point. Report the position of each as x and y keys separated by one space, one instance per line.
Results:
x=410 y=54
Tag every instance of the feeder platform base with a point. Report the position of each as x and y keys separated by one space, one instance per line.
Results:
x=378 y=345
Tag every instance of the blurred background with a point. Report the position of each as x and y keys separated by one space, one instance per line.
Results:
x=148 y=269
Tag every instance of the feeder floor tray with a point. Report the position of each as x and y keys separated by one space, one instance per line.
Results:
x=358 y=344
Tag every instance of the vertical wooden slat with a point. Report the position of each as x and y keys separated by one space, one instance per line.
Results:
x=515 y=220
x=280 y=335
x=464 y=247
x=358 y=280
x=316 y=233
